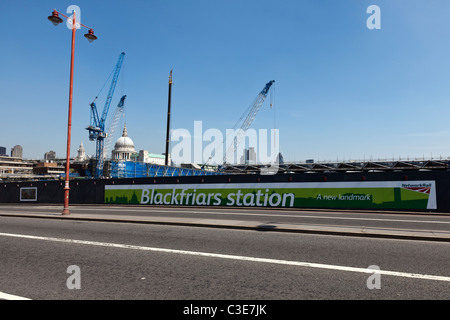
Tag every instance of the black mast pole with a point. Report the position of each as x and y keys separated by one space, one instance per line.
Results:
x=168 y=119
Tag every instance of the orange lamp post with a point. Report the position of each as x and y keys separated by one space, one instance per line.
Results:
x=56 y=20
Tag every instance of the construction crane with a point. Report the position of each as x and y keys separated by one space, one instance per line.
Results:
x=118 y=113
x=254 y=108
x=97 y=127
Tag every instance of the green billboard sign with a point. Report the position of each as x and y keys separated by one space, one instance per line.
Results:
x=361 y=195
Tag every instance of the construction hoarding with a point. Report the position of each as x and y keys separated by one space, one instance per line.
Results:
x=412 y=195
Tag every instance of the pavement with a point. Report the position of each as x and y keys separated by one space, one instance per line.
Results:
x=357 y=231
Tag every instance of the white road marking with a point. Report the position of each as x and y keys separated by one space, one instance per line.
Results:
x=6 y=296
x=234 y=257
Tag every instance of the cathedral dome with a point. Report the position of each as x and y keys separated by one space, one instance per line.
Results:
x=124 y=143
x=124 y=147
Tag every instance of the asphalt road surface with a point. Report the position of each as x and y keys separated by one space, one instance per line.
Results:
x=392 y=224
x=79 y=259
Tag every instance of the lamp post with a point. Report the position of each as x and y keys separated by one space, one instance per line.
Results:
x=56 y=20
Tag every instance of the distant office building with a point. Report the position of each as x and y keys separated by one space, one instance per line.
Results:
x=249 y=156
x=153 y=158
x=2 y=151
x=51 y=155
x=48 y=168
x=280 y=159
x=10 y=166
x=17 y=151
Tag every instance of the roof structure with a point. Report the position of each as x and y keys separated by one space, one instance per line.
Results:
x=369 y=166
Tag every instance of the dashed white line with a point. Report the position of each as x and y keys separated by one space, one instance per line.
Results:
x=234 y=257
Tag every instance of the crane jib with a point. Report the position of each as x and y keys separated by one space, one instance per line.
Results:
x=247 y=122
x=267 y=87
x=97 y=128
x=111 y=90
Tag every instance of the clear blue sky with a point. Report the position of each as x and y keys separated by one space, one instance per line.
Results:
x=342 y=91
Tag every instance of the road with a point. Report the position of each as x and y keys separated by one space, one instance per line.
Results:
x=132 y=260
x=425 y=226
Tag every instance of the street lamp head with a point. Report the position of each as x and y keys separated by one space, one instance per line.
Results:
x=90 y=35
x=54 y=18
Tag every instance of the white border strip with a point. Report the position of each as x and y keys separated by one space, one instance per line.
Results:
x=28 y=188
x=271 y=185
x=235 y=257
x=6 y=296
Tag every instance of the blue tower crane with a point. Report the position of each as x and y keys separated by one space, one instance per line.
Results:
x=97 y=127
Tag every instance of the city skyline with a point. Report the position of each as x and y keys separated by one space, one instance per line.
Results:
x=343 y=91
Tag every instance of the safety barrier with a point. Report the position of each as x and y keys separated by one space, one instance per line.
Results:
x=433 y=188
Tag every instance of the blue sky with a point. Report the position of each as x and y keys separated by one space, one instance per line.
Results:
x=342 y=91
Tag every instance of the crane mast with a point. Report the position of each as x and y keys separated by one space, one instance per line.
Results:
x=97 y=127
x=247 y=122
x=118 y=113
